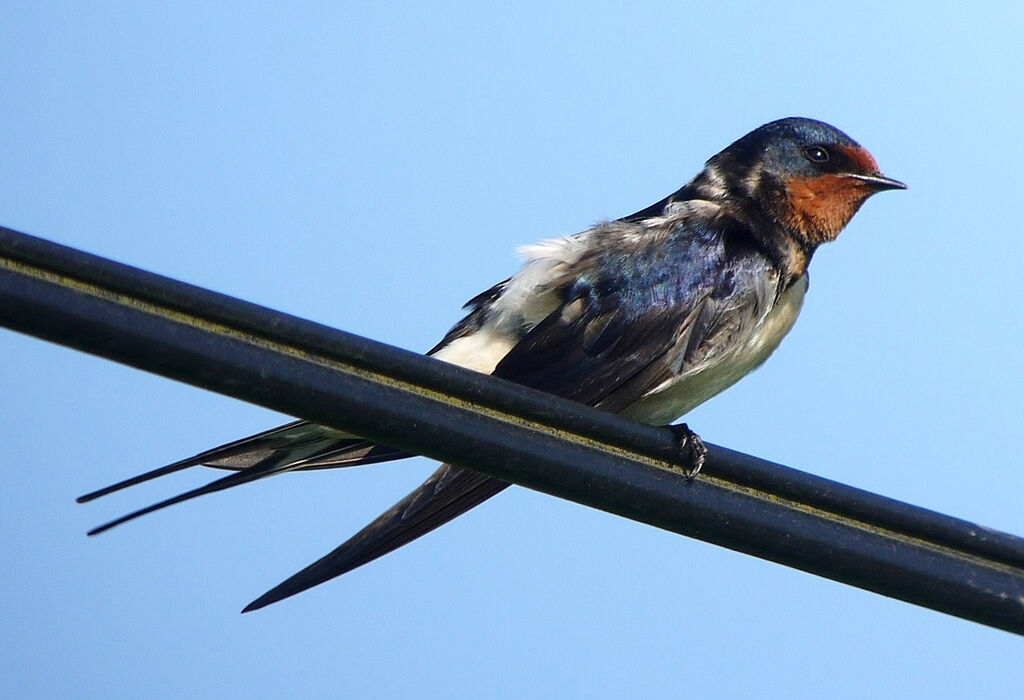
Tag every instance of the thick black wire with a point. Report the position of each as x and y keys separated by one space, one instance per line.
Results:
x=527 y=437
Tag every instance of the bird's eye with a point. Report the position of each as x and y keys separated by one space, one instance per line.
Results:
x=816 y=154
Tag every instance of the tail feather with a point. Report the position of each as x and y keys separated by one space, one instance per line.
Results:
x=317 y=447
x=448 y=493
x=296 y=446
x=301 y=445
x=355 y=454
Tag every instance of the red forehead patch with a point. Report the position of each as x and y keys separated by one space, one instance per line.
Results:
x=864 y=161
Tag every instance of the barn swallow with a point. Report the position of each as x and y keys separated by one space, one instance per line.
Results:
x=647 y=316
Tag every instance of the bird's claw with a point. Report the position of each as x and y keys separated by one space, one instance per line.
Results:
x=691 y=448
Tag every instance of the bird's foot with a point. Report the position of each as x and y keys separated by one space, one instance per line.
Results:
x=691 y=448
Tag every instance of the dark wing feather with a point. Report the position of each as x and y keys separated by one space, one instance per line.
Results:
x=594 y=348
x=597 y=358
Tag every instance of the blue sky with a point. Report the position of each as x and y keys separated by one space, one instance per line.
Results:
x=374 y=168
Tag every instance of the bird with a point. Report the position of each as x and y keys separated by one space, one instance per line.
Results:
x=646 y=316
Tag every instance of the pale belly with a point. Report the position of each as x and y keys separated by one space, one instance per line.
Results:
x=664 y=406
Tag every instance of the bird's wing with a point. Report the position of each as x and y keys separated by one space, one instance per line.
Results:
x=620 y=329
x=607 y=352
x=629 y=326
x=607 y=357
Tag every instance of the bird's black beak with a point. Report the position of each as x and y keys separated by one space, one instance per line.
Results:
x=879 y=182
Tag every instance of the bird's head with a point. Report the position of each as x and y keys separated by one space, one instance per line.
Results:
x=809 y=177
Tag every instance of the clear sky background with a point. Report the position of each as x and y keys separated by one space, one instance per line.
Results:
x=372 y=170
